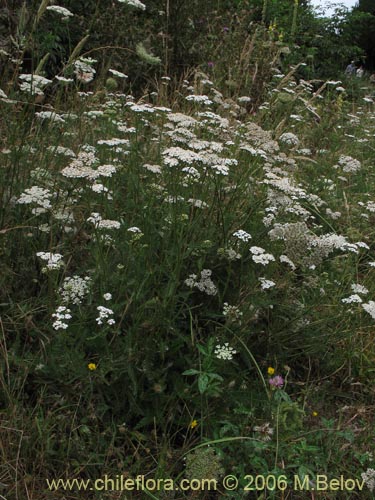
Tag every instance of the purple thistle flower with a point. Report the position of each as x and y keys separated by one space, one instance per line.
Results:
x=210 y=64
x=277 y=381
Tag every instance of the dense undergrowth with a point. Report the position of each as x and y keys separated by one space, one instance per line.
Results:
x=187 y=283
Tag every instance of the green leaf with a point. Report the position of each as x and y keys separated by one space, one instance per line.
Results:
x=203 y=383
x=191 y=372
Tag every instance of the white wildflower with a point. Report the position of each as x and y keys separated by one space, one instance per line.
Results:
x=118 y=73
x=204 y=283
x=224 y=352
x=134 y=3
x=369 y=478
x=36 y=195
x=200 y=99
x=49 y=115
x=53 y=260
x=359 y=289
x=62 y=11
x=105 y=315
x=370 y=308
x=289 y=139
x=61 y=315
x=353 y=299
x=285 y=259
x=266 y=284
x=232 y=313
x=74 y=289
x=242 y=235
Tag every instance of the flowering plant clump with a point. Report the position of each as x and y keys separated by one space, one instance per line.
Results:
x=228 y=235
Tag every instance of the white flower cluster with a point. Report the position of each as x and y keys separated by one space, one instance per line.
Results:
x=289 y=139
x=197 y=203
x=260 y=256
x=83 y=69
x=38 y=196
x=65 y=13
x=224 y=352
x=61 y=315
x=370 y=308
x=220 y=169
x=61 y=150
x=80 y=167
x=242 y=235
x=285 y=259
x=33 y=84
x=114 y=142
x=155 y=169
x=232 y=313
x=369 y=478
x=105 y=315
x=266 y=284
x=74 y=289
x=353 y=299
x=204 y=283
x=100 y=223
x=54 y=261
x=134 y=3
x=200 y=99
x=359 y=289
x=50 y=115
x=229 y=253
x=349 y=164
x=117 y=73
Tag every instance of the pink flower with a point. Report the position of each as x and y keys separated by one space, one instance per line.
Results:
x=277 y=381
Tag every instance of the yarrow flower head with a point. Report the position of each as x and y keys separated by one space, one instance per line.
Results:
x=289 y=139
x=369 y=478
x=242 y=235
x=53 y=261
x=134 y=3
x=33 y=84
x=62 y=314
x=105 y=315
x=38 y=196
x=204 y=283
x=224 y=352
x=260 y=256
x=370 y=308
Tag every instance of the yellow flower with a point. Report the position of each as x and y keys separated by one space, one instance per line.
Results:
x=315 y=413
x=92 y=366
x=193 y=424
x=270 y=370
